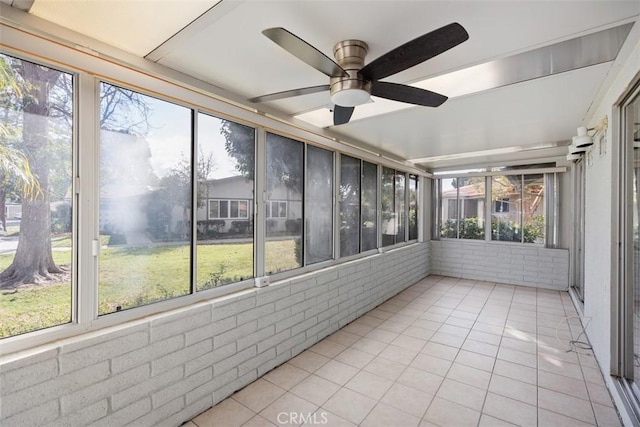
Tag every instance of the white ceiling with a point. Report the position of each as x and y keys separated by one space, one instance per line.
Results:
x=222 y=44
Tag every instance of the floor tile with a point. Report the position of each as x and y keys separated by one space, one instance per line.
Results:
x=526 y=346
x=606 y=416
x=309 y=361
x=385 y=368
x=369 y=384
x=315 y=389
x=445 y=413
x=431 y=364
x=353 y=357
x=322 y=417
x=383 y=415
x=489 y=421
x=291 y=405
x=559 y=383
x=510 y=410
x=337 y=372
x=514 y=389
x=228 y=413
x=408 y=399
x=258 y=395
x=566 y=405
x=552 y=419
x=468 y=375
x=286 y=376
x=447 y=339
x=559 y=367
x=350 y=405
x=409 y=342
x=476 y=360
x=421 y=380
x=417 y=332
x=369 y=345
x=257 y=421
x=358 y=329
x=343 y=337
x=382 y=335
x=440 y=350
x=519 y=357
x=462 y=394
x=485 y=337
x=398 y=354
x=480 y=348
x=599 y=394
x=328 y=348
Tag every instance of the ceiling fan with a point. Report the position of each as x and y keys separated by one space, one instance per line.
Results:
x=352 y=83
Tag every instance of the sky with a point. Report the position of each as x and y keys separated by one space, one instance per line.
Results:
x=170 y=141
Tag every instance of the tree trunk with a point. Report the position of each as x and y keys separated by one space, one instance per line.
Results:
x=33 y=261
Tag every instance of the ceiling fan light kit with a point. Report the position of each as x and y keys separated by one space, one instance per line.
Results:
x=352 y=83
x=352 y=90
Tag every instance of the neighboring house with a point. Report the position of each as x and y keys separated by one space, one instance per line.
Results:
x=228 y=206
x=470 y=201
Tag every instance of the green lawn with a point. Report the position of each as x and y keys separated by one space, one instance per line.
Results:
x=130 y=277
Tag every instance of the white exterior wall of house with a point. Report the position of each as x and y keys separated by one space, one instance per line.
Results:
x=601 y=219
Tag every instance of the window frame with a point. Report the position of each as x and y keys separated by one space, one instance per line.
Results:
x=550 y=208
x=229 y=201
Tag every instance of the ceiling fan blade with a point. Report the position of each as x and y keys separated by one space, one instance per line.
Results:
x=408 y=94
x=304 y=52
x=414 y=52
x=341 y=115
x=290 y=93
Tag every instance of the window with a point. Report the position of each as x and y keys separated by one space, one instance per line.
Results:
x=502 y=205
x=276 y=209
x=519 y=209
x=318 y=205
x=145 y=199
x=393 y=207
x=350 y=175
x=228 y=209
x=226 y=158
x=413 y=207
x=36 y=148
x=400 y=202
x=369 y=207
x=285 y=160
x=462 y=205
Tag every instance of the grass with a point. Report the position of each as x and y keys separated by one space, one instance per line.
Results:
x=130 y=277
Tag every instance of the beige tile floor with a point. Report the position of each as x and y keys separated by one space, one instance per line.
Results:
x=444 y=352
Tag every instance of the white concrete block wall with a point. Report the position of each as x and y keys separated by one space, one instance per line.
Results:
x=503 y=263
x=165 y=369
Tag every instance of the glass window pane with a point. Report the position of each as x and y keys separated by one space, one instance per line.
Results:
x=214 y=209
x=36 y=149
x=401 y=212
x=471 y=193
x=319 y=205
x=145 y=199
x=243 y=209
x=369 y=206
x=533 y=209
x=448 y=208
x=389 y=223
x=233 y=209
x=506 y=202
x=224 y=209
x=413 y=207
x=283 y=248
x=226 y=153
x=349 y=205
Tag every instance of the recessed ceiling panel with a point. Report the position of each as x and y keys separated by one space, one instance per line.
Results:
x=136 y=26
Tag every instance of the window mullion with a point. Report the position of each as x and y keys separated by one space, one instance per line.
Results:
x=87 y=189
x=259 y=222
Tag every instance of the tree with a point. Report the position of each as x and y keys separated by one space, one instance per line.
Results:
x=33 y=261
x=40 y=106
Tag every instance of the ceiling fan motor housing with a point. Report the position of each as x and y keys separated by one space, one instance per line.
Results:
x=353 y=90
